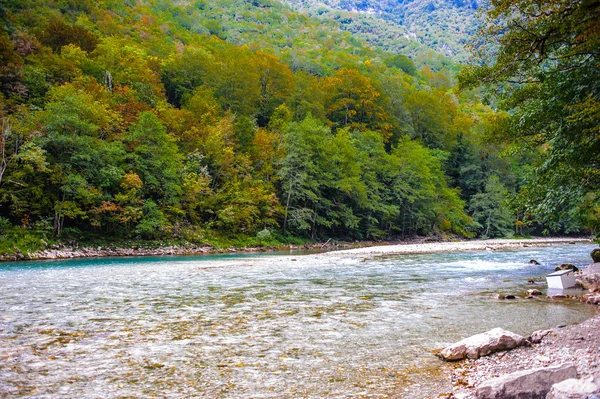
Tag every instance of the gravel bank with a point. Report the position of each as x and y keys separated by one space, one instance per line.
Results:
x=366 y=248
x=475 y=245
x=578 y=344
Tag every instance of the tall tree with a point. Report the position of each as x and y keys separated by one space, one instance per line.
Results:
x=541 y=58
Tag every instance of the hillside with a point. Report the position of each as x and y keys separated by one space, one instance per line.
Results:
x=234 y=121
x=412 y=27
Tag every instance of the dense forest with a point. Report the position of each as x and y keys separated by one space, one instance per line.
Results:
x=426 y=30
x=251 y=123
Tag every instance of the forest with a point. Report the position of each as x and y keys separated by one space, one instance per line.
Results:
x=236 y=122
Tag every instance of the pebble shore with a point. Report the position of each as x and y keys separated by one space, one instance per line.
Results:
x=414 y=246
x=577 y=344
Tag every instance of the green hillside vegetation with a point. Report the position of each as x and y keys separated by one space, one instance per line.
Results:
x=540 y=60
x=233 y=121
x=428 y=31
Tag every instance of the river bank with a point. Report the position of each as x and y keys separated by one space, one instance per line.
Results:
x=364 y=248
x=575 y=345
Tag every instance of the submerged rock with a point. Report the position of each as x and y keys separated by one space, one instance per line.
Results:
x=595 y=255
x=534 y=292
x=574 y=389
x=483 y=344
x=526 y=384
x=534 y=262
x=566 y=266
x=593 y=299
x=557 y=296
x=501 y=296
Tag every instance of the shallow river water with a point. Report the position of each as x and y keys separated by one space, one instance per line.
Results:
x=261 y=326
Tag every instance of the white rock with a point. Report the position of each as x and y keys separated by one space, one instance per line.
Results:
x=527 y=384
x=482 y=345
x=574 y=389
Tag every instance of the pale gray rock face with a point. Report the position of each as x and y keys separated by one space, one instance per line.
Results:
x=537 y=336
x=590 y=277
x=574 y=389
x=527 y=384
x=483 y=344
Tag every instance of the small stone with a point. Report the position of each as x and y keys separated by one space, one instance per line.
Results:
x=557 y=296
x=534 y=262
x=534 y=292
x=537 y=336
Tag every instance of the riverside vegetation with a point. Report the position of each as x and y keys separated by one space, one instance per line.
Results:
x=249 y=123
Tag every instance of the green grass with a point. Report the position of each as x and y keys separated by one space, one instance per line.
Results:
x=23 y=240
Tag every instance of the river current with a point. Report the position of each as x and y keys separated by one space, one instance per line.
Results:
x=262 y=326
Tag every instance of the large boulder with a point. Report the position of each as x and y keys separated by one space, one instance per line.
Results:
x=590 y=277
x=526 y=384
x=483 y=344
x=596 y=255
x=574 y=389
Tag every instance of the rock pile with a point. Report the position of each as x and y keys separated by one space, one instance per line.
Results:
x=575 y=346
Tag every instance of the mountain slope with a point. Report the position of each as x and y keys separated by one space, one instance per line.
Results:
x=444 y=26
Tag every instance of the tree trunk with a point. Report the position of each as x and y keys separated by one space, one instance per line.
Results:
x=3 y=140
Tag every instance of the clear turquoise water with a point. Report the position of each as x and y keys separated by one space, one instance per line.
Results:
x=261 y=326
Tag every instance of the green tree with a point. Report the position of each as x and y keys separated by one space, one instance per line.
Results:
x=155 y=158
x=402 y=62
x=58 y=34
x=545 y=73
x=490 y=209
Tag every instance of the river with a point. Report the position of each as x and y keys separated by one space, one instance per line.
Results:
x=262 y=326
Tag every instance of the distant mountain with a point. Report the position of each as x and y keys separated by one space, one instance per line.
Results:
x=407 y=26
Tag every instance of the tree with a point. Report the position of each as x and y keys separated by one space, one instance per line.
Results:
x=154 y=157
x=58 y=34
x=541 y=59
x=276 y=80
x=402 y=62
x=352 y=101
x=490 y=209
x=297 y=171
